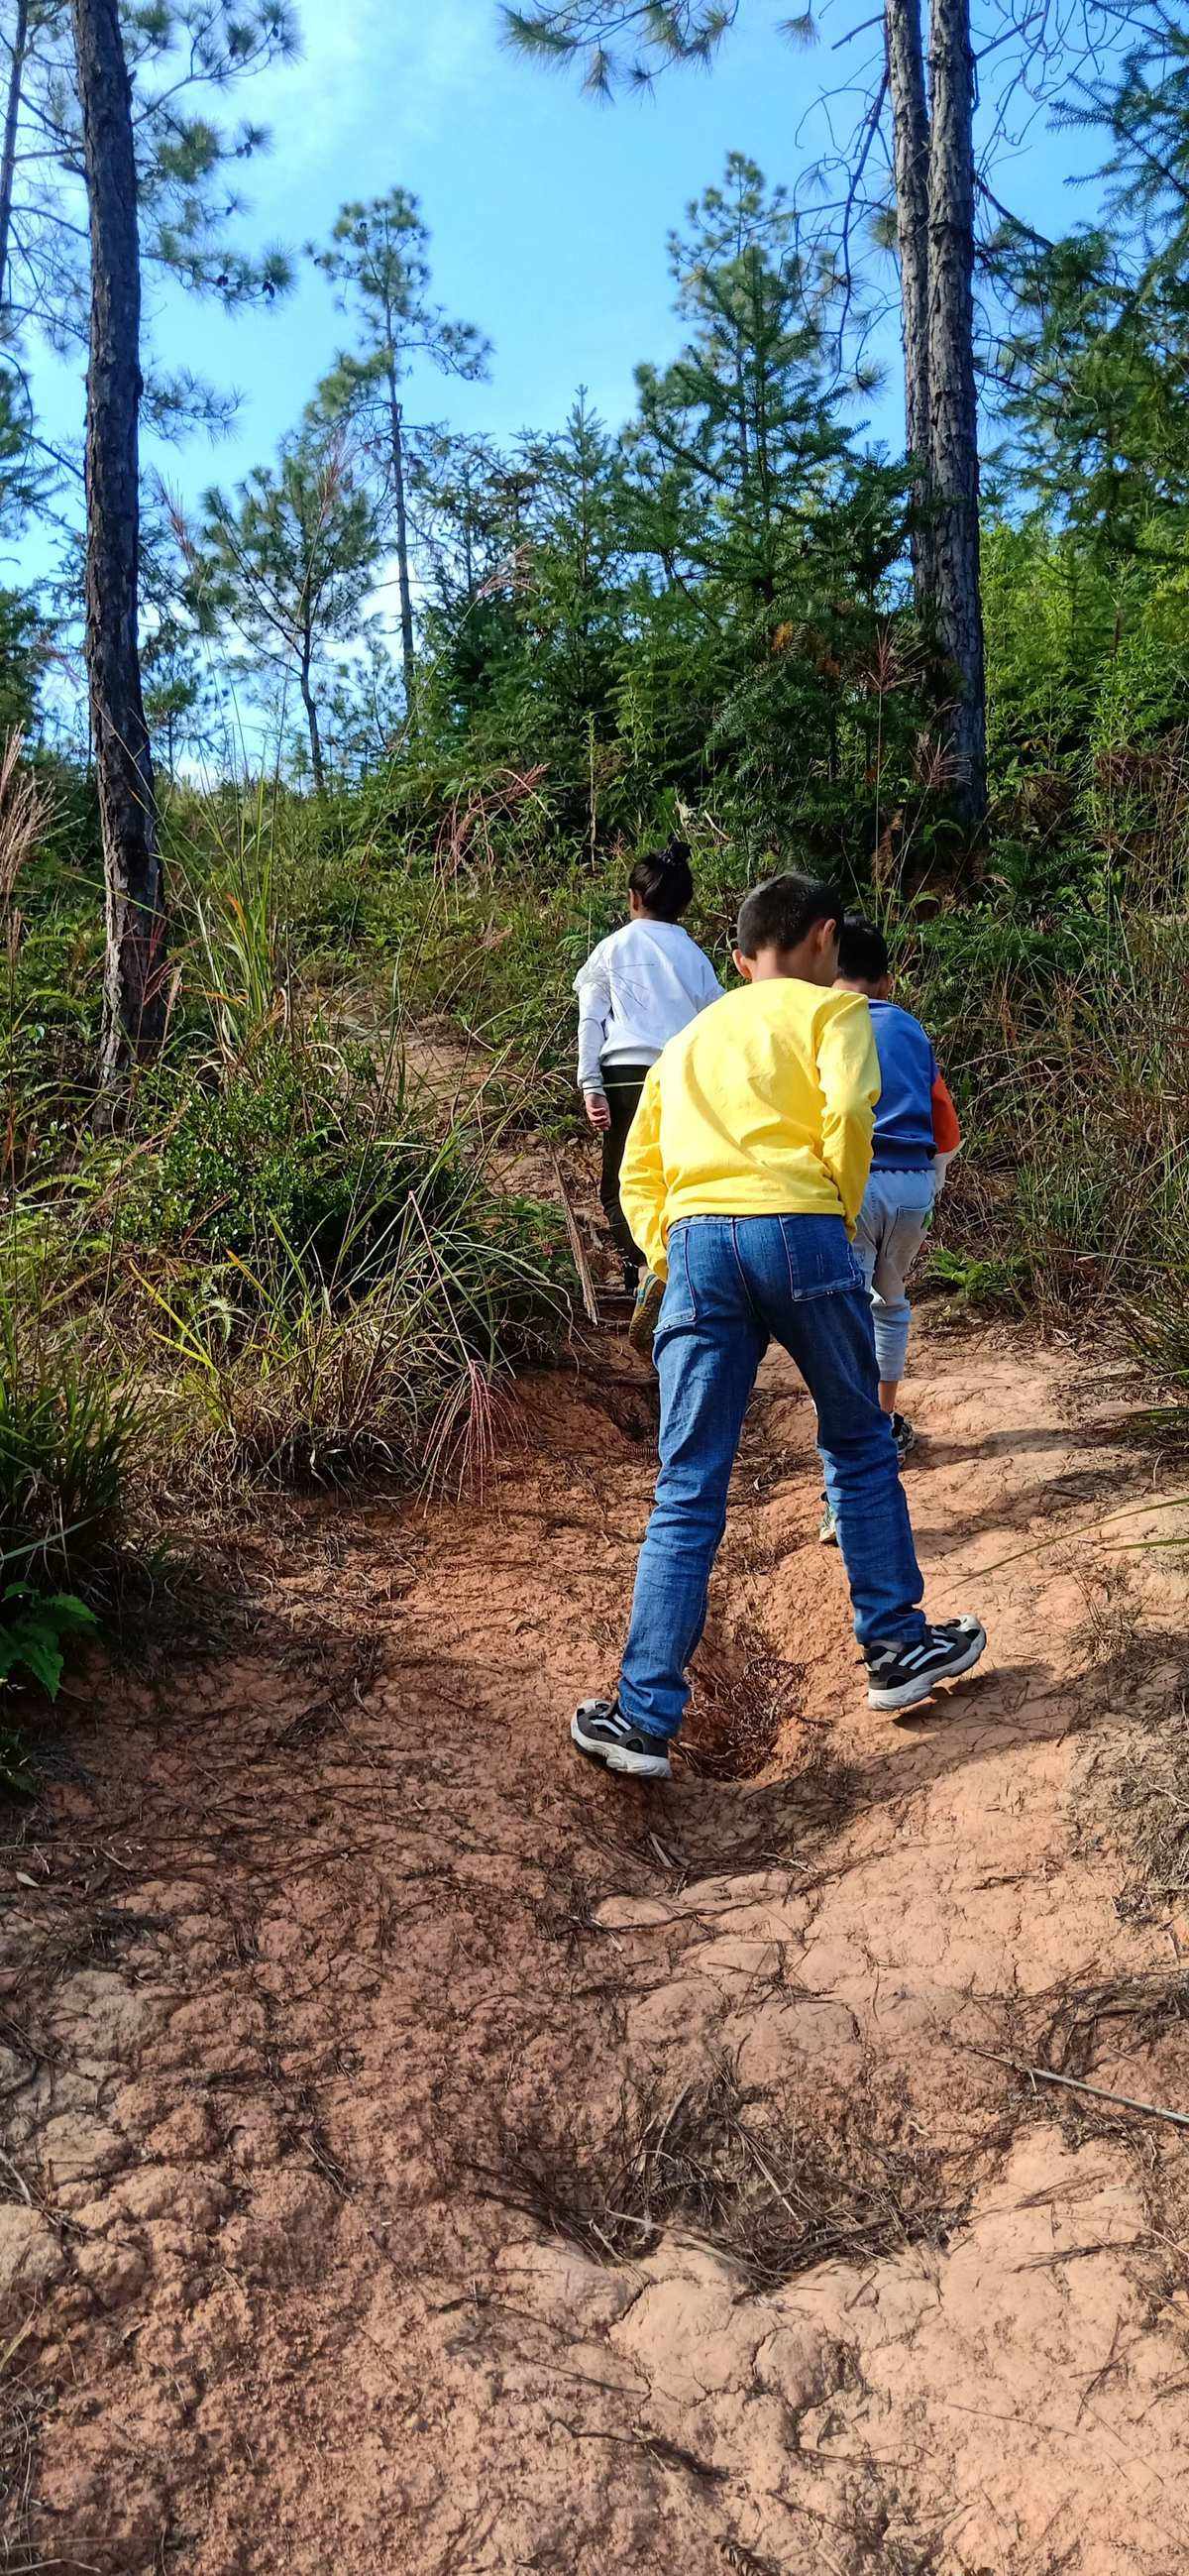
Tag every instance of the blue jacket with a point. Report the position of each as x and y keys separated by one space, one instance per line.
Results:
x=904 y=1124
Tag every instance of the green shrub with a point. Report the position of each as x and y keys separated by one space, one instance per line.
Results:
x=33 y=1626
x=1067 y=1050
x=311 y=1174
x=327 y=1282
x=69 y=1439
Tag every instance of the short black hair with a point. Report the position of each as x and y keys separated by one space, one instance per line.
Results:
x=664 y=881
x=862 y=951
x=782 y=913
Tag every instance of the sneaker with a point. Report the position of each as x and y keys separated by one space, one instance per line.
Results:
x=646 y=1313
x=828 y=1533
x=599 y=1728
x=900 y=1676
x=903 y=1435
x=631 y=1277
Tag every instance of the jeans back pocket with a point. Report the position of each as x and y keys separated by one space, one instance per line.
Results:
x=820 y=1257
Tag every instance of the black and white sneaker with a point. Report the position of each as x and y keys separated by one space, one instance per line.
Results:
x=901 y=1676
x=600 y=1729
x=904 y=1435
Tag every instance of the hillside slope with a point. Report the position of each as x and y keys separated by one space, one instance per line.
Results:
x=429 y=2156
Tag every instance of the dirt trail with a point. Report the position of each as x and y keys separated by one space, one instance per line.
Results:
x=427 y=2155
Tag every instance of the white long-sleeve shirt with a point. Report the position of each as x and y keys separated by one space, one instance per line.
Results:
x=636 y=990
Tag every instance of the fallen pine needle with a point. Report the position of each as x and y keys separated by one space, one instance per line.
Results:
x=15 y=2344
x=1077 y=2084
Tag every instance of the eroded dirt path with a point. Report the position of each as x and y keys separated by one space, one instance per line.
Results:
x=427 y=2156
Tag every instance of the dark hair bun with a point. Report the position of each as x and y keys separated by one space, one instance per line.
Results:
x=664 y=880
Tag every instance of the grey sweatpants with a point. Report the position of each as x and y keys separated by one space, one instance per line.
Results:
x=893 y=1222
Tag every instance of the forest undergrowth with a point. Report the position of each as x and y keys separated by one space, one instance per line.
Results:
x=290 y=1265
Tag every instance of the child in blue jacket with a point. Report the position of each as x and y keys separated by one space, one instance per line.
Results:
x=916 y=1138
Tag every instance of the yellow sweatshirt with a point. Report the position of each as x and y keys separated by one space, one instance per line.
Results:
x=763 y=1106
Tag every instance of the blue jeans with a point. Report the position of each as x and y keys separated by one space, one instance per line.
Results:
x=893 y=1219
x=735 y=1284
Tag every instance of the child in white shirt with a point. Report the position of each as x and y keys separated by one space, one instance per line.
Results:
x=636 y=990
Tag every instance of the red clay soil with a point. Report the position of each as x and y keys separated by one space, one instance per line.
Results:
x=426 y=2156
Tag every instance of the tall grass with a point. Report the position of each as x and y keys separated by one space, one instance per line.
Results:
x=1069 y=1053
x=299 y=1262
x=290 y=1267
x=1063 y=1026
x=69 y=1439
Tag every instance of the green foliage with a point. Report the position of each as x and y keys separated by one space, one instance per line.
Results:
x=377 y=261
x=24 y=651
x=658 y=32
x=292 y=1264
x=332 y=1282
x=184 y=56
x=18 y=1775
x=1066 y=1049
x=33 y=1626
x=363 y=712
x=181 y=702
x=1139 y=102
x=279 y=1171
x=702 y=612
x=979 y=1282
x=289 y=562
x=1089 y=666
x=69 y=1434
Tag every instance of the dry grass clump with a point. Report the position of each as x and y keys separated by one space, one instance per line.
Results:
x=1125 y=2012
x=775 y=2189
x=18 y=2409
x=741 y=1700
x=1151 y=1788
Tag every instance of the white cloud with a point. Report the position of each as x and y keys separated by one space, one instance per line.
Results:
x=370 y=74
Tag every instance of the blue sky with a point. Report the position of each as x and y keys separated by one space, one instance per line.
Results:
x=548 y=212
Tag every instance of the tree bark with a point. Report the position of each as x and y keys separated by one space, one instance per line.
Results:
x=307 y=699
x=953 y=403
x=402 y=543
x=134 y=977
x=16 y=74
x=910 y=164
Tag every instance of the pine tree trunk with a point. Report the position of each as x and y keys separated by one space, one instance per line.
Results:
x=953 y=405
x=307 y=699
x=910 y=163
x=402 y=544
x=16 y=74
x=468 y=549
x=134 y=978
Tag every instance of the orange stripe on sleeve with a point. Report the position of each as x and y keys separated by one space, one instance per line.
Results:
x=947 y=1135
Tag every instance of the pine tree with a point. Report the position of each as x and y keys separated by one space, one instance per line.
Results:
x=181 y=701
x=108 y=90
x=1097 y=365
x=377 y=259
x=363 y=711
x=767 y=536
x=464 y=499
x=570 y=572
x=134 y=975
x=736 y=439
x=182 y=57
x=289 y=562
x=932 y=196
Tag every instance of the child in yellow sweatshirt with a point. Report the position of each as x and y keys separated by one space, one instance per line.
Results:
x=742 y=1181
